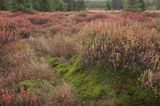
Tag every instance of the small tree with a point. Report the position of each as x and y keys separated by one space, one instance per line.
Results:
x=134 y=5
x=59 y=5
x=45 y=5
x=117 y=4
x=108 y=5
x=158 y=4
x=22 y=5
x=71 y=4
x=2 y=5
x=49 y=5
x=142 y=5
x=5 y=4
x=80 y=4
x=75 y=4
x=36 y=4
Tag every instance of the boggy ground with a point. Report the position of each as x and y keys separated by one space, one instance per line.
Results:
x=79 y=59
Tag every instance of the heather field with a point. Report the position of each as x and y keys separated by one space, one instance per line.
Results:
x=80 y=59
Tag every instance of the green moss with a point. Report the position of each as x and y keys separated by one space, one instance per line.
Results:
x=75 y=66
x=62 y=69
x=158 y=28
x=92 y=91
x=129 y=92
x=51 y=59
x=37 y=84
x=98 y=83
x=136 y=96
x=91 y=84
x=41 y=88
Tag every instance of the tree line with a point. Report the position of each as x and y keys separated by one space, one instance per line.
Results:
x=72 y=5
x=41 y=5
x=133 y=5
x=126 y=5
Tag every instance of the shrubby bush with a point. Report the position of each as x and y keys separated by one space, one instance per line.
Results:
x=122 y=43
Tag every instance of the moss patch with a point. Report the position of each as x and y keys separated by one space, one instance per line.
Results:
x=42 y=88
x=90 y=84
x=99 y=85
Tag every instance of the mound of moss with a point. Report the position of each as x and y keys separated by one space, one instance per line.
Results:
x=41 y=88
x=98 y=86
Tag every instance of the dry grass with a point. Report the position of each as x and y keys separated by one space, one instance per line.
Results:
x=120 y=44
x=63 y=96
x=57 y=45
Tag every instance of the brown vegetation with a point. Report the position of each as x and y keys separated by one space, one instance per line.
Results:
x=120 y=41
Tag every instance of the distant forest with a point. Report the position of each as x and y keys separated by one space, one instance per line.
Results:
x=76 y=5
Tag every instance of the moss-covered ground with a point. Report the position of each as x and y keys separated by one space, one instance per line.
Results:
x=98 y=86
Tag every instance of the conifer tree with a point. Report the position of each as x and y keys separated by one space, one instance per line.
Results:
x=22 y=5
x=5 y=4
x=134 y=5
x=117 y=4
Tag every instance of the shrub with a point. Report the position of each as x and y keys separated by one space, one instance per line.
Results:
x=88 y=18
x=152 y=14
x=9 y=98
x=64 y=96
x=6 y=98
x=150 y=80
x=136 y=17
x=120 y=44
x=130 y=92
x=39 y=19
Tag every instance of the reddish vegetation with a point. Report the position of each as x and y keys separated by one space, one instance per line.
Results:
x=89 y=17
x=136 y=17
x=125 y=39
x=8 y=98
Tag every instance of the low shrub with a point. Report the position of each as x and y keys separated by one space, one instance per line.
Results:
x=88 y=18
x=63 y=96
x=58 y=46
x=152 y=14
x=136 y=17
x=120 y=44
x=9 y=98
x=39 y=19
